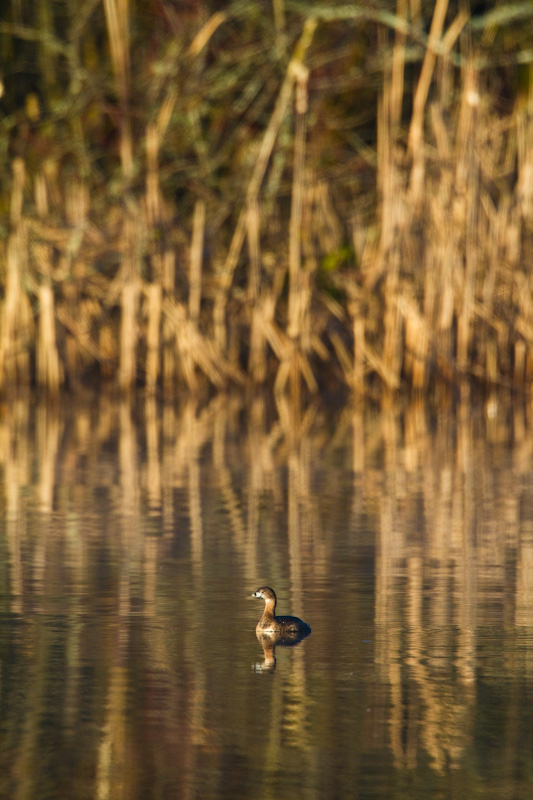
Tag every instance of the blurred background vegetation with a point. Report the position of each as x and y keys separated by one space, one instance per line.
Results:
x=310 y=194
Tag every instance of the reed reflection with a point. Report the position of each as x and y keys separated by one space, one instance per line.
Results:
x=139 y=527
x=446 y=573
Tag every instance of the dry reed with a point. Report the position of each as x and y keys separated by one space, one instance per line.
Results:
x=428 y=281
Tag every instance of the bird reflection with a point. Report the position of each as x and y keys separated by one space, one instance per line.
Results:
x=269 y=641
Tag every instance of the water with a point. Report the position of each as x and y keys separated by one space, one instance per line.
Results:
x=131 y=539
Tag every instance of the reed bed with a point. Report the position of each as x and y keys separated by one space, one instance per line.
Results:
x=202 y=206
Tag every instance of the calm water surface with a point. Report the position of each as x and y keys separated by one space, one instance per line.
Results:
x=131 y=540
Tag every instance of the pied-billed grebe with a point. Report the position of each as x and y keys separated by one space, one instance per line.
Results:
x=280 y=626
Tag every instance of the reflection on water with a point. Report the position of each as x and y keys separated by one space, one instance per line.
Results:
x=131 y=539
x=269 y=642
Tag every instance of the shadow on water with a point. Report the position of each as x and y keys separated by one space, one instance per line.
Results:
x=403 y=535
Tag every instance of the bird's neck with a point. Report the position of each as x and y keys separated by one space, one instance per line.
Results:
x=270 y=608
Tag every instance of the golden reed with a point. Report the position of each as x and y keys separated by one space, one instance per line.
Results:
x=423 y=278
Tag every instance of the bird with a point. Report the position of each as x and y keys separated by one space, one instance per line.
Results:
x=281 y=627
